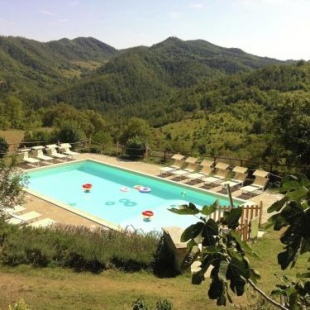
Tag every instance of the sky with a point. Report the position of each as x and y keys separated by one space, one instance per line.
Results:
x=268 y=28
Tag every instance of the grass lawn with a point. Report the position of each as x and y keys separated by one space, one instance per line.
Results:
x=55 y=288
x=13 y=137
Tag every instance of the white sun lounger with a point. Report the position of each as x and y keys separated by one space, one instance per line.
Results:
x=238 y=179
x=178 y=163
x=52 y=152
x=219 y=176
x=259 y=183
x=15 y=210
x=24 y=156
x=204 y=172
x=37 y=152
x=42 y=223
x=190 y=168
x=65 y=149
x=23 y=218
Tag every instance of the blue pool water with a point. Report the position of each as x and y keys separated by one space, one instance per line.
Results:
x=108 y=201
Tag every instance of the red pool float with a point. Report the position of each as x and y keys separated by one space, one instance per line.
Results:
x=87 y=187
x=147 y=215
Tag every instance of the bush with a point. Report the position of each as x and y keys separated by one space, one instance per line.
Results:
x=4 y=146
x=135 y=148
x=35 y=137
x=76 y=247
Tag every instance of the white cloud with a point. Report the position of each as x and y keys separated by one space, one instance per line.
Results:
x=195 y=6
x=46 y=13
x=175 y=14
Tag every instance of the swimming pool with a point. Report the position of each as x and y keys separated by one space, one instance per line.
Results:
x=114 y=197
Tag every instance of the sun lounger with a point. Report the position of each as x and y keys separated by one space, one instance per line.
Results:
x=42 y=223
x=206 y=170
x=23 y=218
x=238 y=179
x=178 y=163
x=190 y=167
x=15 y=210
x=37 y=152
x=24 y=156
x=65 y=149
x=51 y=150
x=221 y=172
x=258 y=185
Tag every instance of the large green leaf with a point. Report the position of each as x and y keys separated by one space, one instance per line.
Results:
x=232 y=217
x=277 y=206
x=207 y=210
x=286 y=258
x=244 y=245
x=305 y=245
x=210 y=233
x=197 y=278
x=189 y=209
x=298 y=194
x=192 y=231
x=292 y=212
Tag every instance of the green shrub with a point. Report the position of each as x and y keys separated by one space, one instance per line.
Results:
x=139 y=304
x=20 y=305
x=4 y=146
x=77 y=247
x=163 y=304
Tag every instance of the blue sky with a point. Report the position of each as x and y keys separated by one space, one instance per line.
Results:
x=271 y=28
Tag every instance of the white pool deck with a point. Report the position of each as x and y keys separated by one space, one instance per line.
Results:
x=65 y=215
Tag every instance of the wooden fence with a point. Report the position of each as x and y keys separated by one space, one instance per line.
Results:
x=249 y=222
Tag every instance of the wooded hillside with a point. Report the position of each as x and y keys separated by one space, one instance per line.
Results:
x=233 y=103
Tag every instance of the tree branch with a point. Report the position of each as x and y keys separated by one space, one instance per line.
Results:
x=266 y=296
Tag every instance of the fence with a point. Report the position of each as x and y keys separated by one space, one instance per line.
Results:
x=249 y=222
x=163 y=156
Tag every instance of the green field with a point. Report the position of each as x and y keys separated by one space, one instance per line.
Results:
x=55 y=288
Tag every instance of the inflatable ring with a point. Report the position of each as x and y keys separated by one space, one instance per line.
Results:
x=124 y=200
x=144 y=190
x=110 y=203
x=138 y=186
x=87 y=187
x=130 y=204
x=147 y=215
x=124 y=189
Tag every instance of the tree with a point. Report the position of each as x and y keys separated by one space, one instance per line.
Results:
x=11 y=184
x=293 y=212
x=223 y=249
x=292 y=123
x=136 y=127
x=70 y=131
x=4 y=146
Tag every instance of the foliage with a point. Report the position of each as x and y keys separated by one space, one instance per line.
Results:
x=293 y=213
x=35 y=137
x=222 y=249
x=135 y=147
x=252 y=107
x=4 y=146
x=76 y=247
x=140 y=304
x=70 y=131
x=11 y=184
x=20 y=305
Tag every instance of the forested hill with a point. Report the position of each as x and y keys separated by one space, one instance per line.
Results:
x=148 y=75
x=65 y=70
x=33 y=69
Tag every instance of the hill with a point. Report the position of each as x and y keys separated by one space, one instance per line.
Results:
x=142 y=77
x=28 y=66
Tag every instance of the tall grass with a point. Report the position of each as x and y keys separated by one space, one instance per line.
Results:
x=76 y=247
